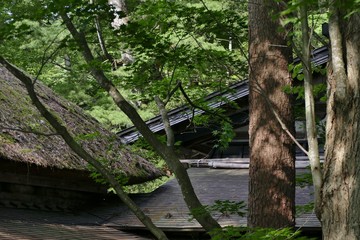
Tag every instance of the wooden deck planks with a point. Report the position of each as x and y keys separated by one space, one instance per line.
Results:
x=18 y=230
x=167 y=208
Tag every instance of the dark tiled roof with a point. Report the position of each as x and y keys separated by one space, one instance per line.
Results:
x=236 y=91
x=184 y=113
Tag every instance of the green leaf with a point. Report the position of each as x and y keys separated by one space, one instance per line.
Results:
x=300 y=77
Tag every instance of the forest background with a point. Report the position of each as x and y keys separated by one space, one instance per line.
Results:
x=159 y=53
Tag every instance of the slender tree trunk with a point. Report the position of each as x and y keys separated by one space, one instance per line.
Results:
x=167 y=153
x=272 y=161
x=313 y=152
x=340 y=215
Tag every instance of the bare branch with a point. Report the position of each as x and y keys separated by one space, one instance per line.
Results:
x=101 y=40
x=204 y=4
x=171 y=93
x=278 y=118
x=165 y=118
x=201 y=108
x=28 y=131
x=45 y=59
x=319 y=38
x=175 y=67
x=61 y=66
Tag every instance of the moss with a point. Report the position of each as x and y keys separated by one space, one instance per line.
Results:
x=6 y=139
x=2 y=97
x=26 y=150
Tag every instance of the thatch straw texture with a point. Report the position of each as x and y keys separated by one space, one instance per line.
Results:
x=19 y=119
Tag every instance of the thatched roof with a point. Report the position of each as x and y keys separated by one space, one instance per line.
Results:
x=17 y=112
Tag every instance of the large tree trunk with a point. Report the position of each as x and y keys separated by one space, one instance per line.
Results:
x=272 y=160
x=340 y=215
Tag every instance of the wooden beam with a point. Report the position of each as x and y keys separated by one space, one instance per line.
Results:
x=84 y=185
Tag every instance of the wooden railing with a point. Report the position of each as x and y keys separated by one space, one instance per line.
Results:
x=240 y=163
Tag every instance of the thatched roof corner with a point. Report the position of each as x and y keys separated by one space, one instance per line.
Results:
x=48 y=150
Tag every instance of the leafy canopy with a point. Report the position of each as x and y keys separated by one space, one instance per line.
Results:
x=170 y=42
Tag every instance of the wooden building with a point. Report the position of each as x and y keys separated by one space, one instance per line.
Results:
x=37 y=169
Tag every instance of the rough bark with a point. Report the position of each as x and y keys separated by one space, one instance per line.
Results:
x=340 y=214
x=313 y=152
x=272 y=160
x=61 y=130
x=167 y=153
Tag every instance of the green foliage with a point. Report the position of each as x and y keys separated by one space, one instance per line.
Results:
x=350 y=6
x=6 y=138
x=175 y=41
x=317 y=12
x=147 y=187
x=170 y=41
x=87 y=136
x=304 y=179
x=224 y=207
x=180 y=41
x=229 y=233
x=225 y=135
x=319 y=89
x=307 y=208
x=119 y=175
x=296 y=71
x=142 y=148
x=227 y=207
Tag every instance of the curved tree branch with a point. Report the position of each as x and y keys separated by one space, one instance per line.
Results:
x=28 y=131
x=168 y=130
x=201 y=108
